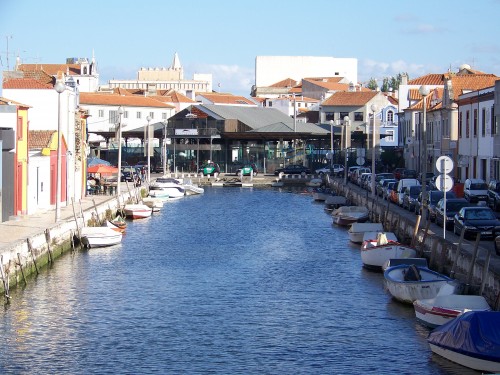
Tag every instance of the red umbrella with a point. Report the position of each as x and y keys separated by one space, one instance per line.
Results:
x=102 y=169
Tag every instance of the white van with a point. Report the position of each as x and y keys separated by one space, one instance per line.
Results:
x=475 y=190
x=402 y=185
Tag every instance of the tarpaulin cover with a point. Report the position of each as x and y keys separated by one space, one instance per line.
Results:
x=475 y=334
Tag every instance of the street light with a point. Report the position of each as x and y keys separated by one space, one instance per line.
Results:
x=120 y=113
x=149 y=149
x=374 y=109
x=424 y=91
x=59 y=87
x=346 y=157
x=331 y=142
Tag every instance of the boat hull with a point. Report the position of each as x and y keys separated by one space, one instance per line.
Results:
x=137 y=211
x=466 y=360
x=408 y=291
x=92 y=237
x=374 y=257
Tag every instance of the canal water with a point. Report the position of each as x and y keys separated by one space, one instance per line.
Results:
x=234 y=281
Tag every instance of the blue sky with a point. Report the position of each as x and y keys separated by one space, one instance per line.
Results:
x=223 y=37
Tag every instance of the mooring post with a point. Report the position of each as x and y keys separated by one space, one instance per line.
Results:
x=47 y=239
x=485 y=272
x=459 y=248
x=30 y=249
x=21 y=268
x=5 y=279
x=415 y=231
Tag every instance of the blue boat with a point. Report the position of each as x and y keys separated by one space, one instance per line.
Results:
x=471 y=340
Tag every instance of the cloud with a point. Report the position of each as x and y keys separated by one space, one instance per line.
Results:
x=379 y=70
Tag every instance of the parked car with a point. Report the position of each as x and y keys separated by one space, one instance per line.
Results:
x=402 y=184
x=247 y=170
x=410 y=197
x=391 y=186
x=477 y=219
x=475 y=190
x=494 y=195
x=393 y=193
x=409 y=173
x=381 y=186
x=397 y=173
x=350 y=172
x=334 y=170
x=209 y=169
x=293 y=169
x=357 y=174
x=497 y=245
x=430 y=201
x=453 y=205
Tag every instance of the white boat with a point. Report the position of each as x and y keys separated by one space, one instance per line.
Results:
x=171 y=186
x=471 y=340
x=190 y=188
x=378 y=248
x=357 y=230
x=335 y=201
x=322 y=193
x=137 y=211
x=314 y=182
x=408 y=283
x=159 y=194
x=154 y=203
x=99 y=237
x=346 y=215
x=422 y=262
x=434 y=312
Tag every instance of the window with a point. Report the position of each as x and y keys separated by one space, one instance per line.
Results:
x=358 y=116
x=101 y=113
x=483 y=122
x=270 y=103
x=390 y=116
x=125 y=114
x=475 y=123
x=113 y=117
x=389 y=135
x=152 y=115
x=329 y=116
x=138 y=115
x=460 y=125
x=467 y=124
x=494 y=124
x=343 y=114
x=164 y=116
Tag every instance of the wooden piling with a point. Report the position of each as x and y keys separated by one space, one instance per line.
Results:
x=472 y=263
x=415 y=231
x=20 y=264
x=5 y=279
x=485 y=272
x=30 y=249
x=47 y=239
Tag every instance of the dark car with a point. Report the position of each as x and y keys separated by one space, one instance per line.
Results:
x=410 y=197
x=209 y=169
x=497 y=245
x=477 y=219
x=409 y=173
x=293 y=169
x=430 y=201
x=494 y=195
x=452 y=207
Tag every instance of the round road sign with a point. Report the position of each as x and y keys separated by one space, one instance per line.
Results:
x=444 y=182
x=444 y=164
x=360 y=160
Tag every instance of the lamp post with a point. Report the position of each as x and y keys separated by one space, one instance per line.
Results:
x=164 y=149
x=346 y=158
x=120 y=113
x=149 y=149
x=424 y=91
x=59 y=87
x=331 y=142
x=374 y=109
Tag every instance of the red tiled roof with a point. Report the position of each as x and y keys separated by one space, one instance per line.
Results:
x=226 y=98
x=51 y=69
x=350 y=98
x=40 y=138
x=26 y=83
x=288 y=82
x=117 y=100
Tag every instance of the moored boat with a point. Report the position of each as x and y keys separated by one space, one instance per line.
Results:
x=137 y=211
x=357 y=230
x=92 y=237
x=471 y=340
x=408 y=283
x=378 y=248
x=190 y=188
x=434 y=312
x=113 y=226
x=154 y=203
x=346 y=215
x=170 y=186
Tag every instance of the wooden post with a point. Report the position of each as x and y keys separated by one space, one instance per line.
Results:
x=485 y=272
x=76 y=219
x=415 y=231
x=96 y=213
x=432 y=257
x=30 y=249
x=5 y=279
x=21 y=268
x=472 y=263
x=47 y=239
x=457 y=255
x=426 y=232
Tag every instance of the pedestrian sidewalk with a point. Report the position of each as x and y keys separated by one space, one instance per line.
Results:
x=12 y=231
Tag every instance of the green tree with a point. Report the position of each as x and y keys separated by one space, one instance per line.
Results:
x=372 y=84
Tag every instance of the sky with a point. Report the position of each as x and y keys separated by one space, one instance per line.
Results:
x=223 y=37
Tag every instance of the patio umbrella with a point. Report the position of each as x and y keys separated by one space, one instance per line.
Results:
x=97 y=161
x=102 y=169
